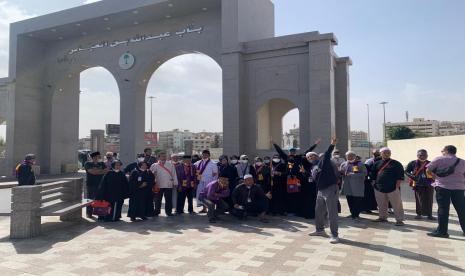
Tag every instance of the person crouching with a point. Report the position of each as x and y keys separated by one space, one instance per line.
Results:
x=249 y=199
x=214 y=196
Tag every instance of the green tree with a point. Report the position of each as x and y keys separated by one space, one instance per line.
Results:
x=400 y=133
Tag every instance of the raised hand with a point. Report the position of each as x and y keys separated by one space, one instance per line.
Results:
x=333 y=141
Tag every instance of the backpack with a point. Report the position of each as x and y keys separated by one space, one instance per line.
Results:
x=444 y=172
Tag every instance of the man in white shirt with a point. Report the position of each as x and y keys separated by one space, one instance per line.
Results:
x=207 y=171
x=165 y=181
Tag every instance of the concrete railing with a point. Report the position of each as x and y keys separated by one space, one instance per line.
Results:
x=30 y=203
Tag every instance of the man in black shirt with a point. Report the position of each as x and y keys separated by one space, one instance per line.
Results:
x=249 y=199
x=148 y=158
x=388 y=174
x=95 y=170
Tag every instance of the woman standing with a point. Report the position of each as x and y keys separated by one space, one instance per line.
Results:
x=278 y=186
x=353 y=183
x=114 y=189
x=141 y=196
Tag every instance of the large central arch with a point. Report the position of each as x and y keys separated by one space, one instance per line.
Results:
x=131 y=39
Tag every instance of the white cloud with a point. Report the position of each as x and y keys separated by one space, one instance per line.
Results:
x=8 y=13
x=91 y=1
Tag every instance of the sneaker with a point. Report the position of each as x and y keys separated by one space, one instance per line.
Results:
x=319 y=234
x=334 y=240
x=212 y=220
x=431 y=218
x=264 y=220
x=391 y=211
x=418 y=217
x=399 y=223
x=436 y=234
x=380 y=220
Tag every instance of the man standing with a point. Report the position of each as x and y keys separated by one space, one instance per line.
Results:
x=249 y=199
x=165 y=180
x=207 y=172
x=24 y=172
x=449 y=173
x=187 y=182
x=109 y=160
x=388 y=174
x=148 y=158
x=421 y=182
x=95 y=170
x=325 y=175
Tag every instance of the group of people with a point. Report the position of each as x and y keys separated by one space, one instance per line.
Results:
x=307 y=185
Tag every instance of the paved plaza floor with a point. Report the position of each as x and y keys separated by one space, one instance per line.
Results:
x=188 y=245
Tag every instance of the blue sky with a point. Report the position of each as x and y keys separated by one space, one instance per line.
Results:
x=409 y=53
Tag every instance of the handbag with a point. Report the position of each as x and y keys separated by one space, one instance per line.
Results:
x=101 y=208
x=293 y=184
x=444 y=172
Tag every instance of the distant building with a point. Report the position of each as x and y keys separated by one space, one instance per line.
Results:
x=431 y=128
x=360 y=144
x=291 y=139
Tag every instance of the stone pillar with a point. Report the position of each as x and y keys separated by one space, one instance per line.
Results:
x=25 y=212
x=132 y=120
x=342 y=102
x=97 y=140
x=234 y=136
x=321 y=84
x=73 y=194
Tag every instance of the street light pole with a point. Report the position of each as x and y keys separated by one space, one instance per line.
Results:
x=384 y=124
x=151 y=113
x=369 y=137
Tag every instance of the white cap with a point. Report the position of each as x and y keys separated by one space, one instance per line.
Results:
x=310 y=154
x=247 y=176
x=350 y=152
x=384 y=149
x=244 y=157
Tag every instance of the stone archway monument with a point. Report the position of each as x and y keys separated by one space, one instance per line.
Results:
x=131 y=39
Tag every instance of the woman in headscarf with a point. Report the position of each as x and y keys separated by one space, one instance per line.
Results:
x=114 y=189
x=278 y=186
x=141 y=196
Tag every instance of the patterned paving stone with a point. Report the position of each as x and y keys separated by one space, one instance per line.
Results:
x=188 y=245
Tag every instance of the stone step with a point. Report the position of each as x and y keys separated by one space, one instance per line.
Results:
x=52 y=191
x=51 y=197
x=64 y=208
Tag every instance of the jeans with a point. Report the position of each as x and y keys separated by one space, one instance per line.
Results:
x=443 y=198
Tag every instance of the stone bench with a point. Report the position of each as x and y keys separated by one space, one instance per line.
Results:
x=30 y=203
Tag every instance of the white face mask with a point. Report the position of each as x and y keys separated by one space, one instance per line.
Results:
x=244 y=161
x=267 y=161
x=259 y=163
x=140 y=159
x=117 y=170
x=276 y=160
x=337 y=156
x=234 y=162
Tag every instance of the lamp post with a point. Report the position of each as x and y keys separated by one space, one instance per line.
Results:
x=151 y=113
x=369 y=137
x=384 y=124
